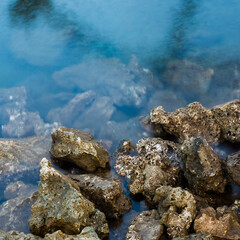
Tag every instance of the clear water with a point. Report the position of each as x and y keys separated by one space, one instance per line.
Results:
x=119 y=50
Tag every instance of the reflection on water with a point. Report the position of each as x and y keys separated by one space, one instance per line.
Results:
x=98 y=66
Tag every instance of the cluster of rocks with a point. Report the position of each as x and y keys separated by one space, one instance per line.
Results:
x=185 y=180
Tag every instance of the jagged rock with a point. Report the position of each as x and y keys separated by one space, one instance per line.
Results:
x=125 y=148
x=177 y=208
x=78 y=147
x=87 y=233
x=14 y=213
x=106 y=194
x=202 y=167
x=184 y=123
x=198 y=236
x=233 y=168
x=156 y=165
x=189 y=77
x=19 y=189
x=222 y=222
x=61 y=206
x=219 y=123
x=147 y=225
x=228 y=118
x=20 y=158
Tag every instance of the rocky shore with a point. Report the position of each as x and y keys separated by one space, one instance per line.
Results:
x=184 y=173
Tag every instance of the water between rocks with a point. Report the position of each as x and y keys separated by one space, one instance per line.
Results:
x=100 y=65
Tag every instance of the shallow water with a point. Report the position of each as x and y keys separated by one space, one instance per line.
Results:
x=123 y=52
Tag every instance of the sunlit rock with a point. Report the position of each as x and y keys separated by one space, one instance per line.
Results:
x=177 y=208
x=147 y=225
x=61 y=206
x=78 y=147
x=202 y=167
x=106 y=194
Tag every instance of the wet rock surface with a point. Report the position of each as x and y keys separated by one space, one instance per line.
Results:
x=61 y=206
x=106 y=194
x=157 y=164
x=202 y=167
x=233 y=168
x=147 y=225
x=177 y=209
x=78 y=147
x=224 y=222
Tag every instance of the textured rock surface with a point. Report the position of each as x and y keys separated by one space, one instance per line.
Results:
x=106 y=194
x=222 y=222
x=156 y=165
x=78 y=147
x=61 y=206
x=14 y=213
x=198 y=236
x=15 y=235
x=202 y=167
x=177 y=209
x=233 y=168
x=147 y=225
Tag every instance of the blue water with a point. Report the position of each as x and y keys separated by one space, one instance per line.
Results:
x=121 y=51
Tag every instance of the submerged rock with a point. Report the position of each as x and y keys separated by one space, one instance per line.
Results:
x=222 y=222
x=61 y=206
x=78 y=147
x=106 y=194
x=233 y=168
x=147 y=225
x=202 y=167
x=177 y=208
x=156 y=165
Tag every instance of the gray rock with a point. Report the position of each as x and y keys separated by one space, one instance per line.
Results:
x=78 y=147
x=16 y=235
x=106 y=194
x=202 y=167
x=61 y=206
x=147 y=225
x=233 y=168
x=177 y=208
x=199 y=236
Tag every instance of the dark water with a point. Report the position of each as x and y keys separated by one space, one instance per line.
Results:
x=131 y=56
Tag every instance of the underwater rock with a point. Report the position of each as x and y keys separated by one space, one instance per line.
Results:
x=19 y=189
x=202 y=167
x=14 y=213
x=199 y=236
x=61 y=206
x=108 y=77
x=222 y=222
x=184 y=123
x=147 y=225
x=233 y=168
x=156 y=165
x=189 y=77
x=227 y=117
x=78 y=147
x=177 y=209
x=106 y=194
x=20 y=158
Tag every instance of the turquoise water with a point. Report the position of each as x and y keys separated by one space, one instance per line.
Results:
x=131 y=55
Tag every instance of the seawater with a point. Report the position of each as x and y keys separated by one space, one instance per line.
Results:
x=125 y=53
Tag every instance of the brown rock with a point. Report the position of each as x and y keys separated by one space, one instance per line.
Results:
x=233 y=168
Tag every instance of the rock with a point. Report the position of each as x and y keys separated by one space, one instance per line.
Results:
x=125 y=148
x=106 y=194
x=78 y=147
x=61 y=206
x=184 y=123
x=222 y=222
x=20 y=158
x=202 y=167
x=19 y=189
x=198 y=236
x=219 y=123
x=228 y=119
x=147 y=225
x=16 y=235
x=188 y=77
x=233 y=168
x=156 y=165
x=14 y=213
x=177 y=208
